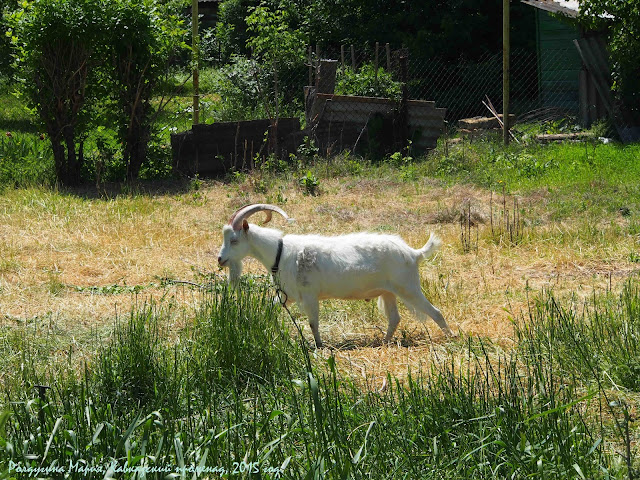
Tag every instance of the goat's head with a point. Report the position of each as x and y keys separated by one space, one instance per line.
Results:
x=235 y=244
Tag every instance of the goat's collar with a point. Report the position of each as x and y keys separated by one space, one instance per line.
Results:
x=276 y=265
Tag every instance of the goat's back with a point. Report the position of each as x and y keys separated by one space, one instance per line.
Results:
x=359 y=251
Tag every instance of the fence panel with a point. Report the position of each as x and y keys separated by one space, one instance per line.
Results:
x=547 y=86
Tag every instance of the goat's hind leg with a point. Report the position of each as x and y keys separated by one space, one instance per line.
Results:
x=389 y=306
x=416 y=300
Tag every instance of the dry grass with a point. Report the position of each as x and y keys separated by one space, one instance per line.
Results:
x=52 y=243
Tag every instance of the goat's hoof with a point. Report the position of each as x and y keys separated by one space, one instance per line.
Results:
x=451 y=335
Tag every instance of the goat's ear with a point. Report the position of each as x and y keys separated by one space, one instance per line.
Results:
x=245 y=225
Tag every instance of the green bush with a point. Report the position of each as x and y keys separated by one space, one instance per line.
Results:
x=88 y=63
x=142 y=38
x=55 y=43
x=367 y=82
x=6 y=69
x=239 y=85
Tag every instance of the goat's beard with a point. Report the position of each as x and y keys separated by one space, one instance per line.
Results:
x=235 y=270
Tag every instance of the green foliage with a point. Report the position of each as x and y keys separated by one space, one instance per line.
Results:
x=622 y=19
x=309 y=183
x=6 y=69
x=55 y=43
x=272 y=38
x=524 y=164
x=231 y=29
x=397 y=159
x=428 y=29
x=87 y=63
x=239 y=85
x=143 y=37
x=367 y=82
x=274 y=43
x=25 y=159
x=307 y=151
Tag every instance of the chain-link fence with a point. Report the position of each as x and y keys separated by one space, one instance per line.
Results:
x=379 y=101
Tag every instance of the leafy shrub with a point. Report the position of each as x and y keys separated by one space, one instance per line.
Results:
x=142 y=39
x=88 y=63
x=244 y=90
x=54 y=43
x=238 y=85
x=6 y=69
x=309 y=184
x=367 y=82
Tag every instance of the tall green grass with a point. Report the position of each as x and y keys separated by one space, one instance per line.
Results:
x=586 y=177
x=598 y=340
x=26 y=159
x=234 y=393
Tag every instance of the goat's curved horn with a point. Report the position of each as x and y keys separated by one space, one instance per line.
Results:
x=245 y=212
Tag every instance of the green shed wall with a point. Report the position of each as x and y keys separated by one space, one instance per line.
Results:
x=559 y=63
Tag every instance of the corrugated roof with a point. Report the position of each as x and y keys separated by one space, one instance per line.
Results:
x=565 y=7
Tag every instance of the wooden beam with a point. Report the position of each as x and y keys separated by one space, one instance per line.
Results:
x=196 y=62
x=505 y=70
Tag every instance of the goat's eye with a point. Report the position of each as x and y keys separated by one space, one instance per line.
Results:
x=233 y=241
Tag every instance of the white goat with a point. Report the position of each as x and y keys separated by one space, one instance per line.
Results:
x=309 y=268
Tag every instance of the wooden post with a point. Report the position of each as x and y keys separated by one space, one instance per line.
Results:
x=342 y=56
x=196 y=62
x=326 y=79
x=388 y=50
x=310 y=55
x=353 y=58
x=325 y=83
x=505 y=71
x=403 y=112
x=377 y=62
x=583 y=98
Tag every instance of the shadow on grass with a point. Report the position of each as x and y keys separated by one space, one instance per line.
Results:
x=23 y=125
x=149 y=188
x=418 y=337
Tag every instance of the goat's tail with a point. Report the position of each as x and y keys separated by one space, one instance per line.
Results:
x=431 y=247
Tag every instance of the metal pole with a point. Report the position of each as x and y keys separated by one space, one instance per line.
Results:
x=505 y=71
x=196 y=62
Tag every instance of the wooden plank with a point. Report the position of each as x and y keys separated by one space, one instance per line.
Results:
x=597 y=74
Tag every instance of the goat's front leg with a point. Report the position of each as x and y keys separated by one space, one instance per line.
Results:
x=310 y=306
